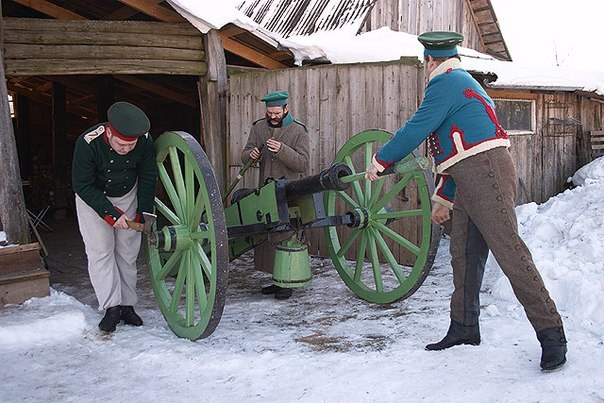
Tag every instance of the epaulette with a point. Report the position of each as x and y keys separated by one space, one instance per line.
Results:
x=94 y=134
x=256 y=121
x=301 y=124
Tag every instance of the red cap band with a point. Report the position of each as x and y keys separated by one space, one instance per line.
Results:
x=120 y=136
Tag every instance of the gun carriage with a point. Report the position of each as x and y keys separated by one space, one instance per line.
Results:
x=189 y=246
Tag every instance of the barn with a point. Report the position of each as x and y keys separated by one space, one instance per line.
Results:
x=65 y=61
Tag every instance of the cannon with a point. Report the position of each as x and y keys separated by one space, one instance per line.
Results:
x=378 y=235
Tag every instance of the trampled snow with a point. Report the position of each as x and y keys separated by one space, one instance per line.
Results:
x=325 y=344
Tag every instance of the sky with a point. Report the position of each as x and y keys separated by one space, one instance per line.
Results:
x=325 y=344
x=553 y=32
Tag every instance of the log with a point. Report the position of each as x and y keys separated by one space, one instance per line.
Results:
x=25 y=51
x=103 y=66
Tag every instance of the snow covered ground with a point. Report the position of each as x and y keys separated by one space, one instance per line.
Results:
x=325 y=344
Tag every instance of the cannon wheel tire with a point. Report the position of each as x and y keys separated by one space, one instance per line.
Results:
x=190 y=282
x=373 y=272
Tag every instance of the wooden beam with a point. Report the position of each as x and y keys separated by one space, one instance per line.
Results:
x=157 y=89
x=124 y=13
x=46 y=99
x=250 y=54
x=154 y=10
x=50 y=9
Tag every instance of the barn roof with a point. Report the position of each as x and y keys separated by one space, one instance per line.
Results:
x=290 y=18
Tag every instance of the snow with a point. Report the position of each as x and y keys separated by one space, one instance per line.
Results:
x=344 y=46
x=325 y=344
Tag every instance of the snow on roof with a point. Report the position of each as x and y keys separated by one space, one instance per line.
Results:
x=343 y=45
x=384 y=44
x=290 y=18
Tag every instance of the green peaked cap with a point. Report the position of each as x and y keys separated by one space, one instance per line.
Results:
x=128 y=120
x=276 y=98
x=440 y=43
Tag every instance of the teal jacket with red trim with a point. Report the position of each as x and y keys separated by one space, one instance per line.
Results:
x=458 y=118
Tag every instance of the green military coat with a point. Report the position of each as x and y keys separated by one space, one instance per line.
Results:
x=99 y=172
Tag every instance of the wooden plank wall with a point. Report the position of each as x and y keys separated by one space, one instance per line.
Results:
x=417 y=16
x=338 y=101
x=101 y=47
x=335 y=102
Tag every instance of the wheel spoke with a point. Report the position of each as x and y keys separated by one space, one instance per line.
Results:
x=206 y=265
x=391 y=193
x=191 y=203
x=349 y=200
x=178 y=286
x=360 y=257
x=166 y=212
x=397 y=214
x=190 y=293
x=405 y=243
x=197 y=212
x=200 y=287
x=389 y=256
x=169 y=265
x=378 y=185
x=375 y=262
x=349 y=242
x=367 y=183
x=170 y=190
x=356 y=187
x=178 y=177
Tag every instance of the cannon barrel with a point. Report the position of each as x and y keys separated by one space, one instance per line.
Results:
x=327 y=179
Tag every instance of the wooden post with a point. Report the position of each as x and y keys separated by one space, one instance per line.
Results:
x=13 y=214
x=213 y=97
x=59 y=140
x=104 y=96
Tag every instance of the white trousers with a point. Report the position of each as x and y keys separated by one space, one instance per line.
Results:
x=111 y=252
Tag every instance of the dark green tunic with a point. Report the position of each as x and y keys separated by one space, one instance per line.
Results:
x=100 y=172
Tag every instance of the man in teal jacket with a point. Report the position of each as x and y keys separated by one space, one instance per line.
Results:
x=114 y=177
x=477 y=180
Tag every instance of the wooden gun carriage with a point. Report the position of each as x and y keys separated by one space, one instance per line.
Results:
x=379 y=236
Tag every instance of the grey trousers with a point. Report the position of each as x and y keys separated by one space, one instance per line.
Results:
x=484 y=219
x=111 y=252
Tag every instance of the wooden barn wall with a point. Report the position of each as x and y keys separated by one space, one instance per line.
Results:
x=101 y=47
x=338 y=101
x=418 y=16
x=559 y=145
x=592 y=113
x=335 y=102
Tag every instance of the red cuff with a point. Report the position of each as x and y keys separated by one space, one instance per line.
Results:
x=109 y=220
x=138 y=218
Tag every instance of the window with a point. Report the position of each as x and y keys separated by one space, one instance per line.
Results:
x=517 y=116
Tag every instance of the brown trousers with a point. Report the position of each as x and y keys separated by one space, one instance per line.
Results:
x=484 y=219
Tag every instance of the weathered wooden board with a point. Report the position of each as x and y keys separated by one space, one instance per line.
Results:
x=51 y=47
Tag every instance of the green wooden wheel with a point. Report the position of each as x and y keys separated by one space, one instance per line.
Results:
x=392 y=225
x=187 y=254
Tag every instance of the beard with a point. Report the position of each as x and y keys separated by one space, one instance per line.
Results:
x=276 y=122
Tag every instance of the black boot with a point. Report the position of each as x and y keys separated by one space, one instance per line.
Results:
x=111 y=319
x=130 y=317
x=553 y=348
x=280 y=292
x=271 y=289
x=456 y=335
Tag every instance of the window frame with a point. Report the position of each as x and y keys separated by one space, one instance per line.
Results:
x=533 y=111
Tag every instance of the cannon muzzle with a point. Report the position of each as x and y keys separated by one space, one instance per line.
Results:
x=327 y=179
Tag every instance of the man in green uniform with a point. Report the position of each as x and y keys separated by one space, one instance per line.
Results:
x=285 y=154
x=114 y=177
